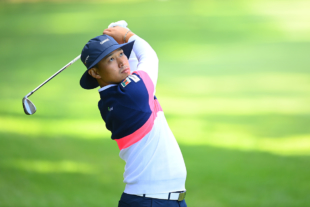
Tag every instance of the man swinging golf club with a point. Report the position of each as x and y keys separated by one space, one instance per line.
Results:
x=155 y=172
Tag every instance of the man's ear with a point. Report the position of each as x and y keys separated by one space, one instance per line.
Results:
x=93 y=72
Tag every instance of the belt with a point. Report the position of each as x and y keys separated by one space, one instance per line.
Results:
x=179 y=196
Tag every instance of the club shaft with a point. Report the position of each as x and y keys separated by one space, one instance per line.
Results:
x=50 y=78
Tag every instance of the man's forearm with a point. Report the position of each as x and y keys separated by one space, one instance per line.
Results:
x=147 y=58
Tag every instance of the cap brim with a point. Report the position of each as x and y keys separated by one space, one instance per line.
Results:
x=87 y=81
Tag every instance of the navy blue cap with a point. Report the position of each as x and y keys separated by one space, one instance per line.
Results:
x=94 y=51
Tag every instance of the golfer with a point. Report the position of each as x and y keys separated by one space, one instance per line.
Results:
x=155 y=172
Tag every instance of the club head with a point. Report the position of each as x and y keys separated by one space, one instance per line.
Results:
x=29 y=107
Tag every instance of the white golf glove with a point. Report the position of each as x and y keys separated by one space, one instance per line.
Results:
x=121 y=23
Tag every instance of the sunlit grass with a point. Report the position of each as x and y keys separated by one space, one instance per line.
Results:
x=85 y=129
x=42 y=166
x=290 y=16
x=234 y=106
x=256 y=84
x=237 y=138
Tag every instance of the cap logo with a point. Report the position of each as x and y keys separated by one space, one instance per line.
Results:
x=86 y=59
x=103 y=41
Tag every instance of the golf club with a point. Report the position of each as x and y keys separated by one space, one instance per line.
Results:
x=28 y=106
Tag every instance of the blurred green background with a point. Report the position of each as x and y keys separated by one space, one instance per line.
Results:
x=234 y=84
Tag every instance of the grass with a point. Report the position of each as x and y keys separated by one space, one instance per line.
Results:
x=233 y=83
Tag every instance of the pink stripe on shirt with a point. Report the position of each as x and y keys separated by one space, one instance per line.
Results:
x=133 y=138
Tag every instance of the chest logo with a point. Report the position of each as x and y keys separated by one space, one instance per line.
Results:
x=134 y=78
x=110 y=108
x=125 y=82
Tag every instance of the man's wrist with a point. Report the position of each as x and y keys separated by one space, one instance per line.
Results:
x=128 y=35
x=124 y=39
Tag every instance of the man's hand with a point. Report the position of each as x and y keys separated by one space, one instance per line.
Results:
x=118 y=33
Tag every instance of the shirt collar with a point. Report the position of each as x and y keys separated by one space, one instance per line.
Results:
x=106 y=87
